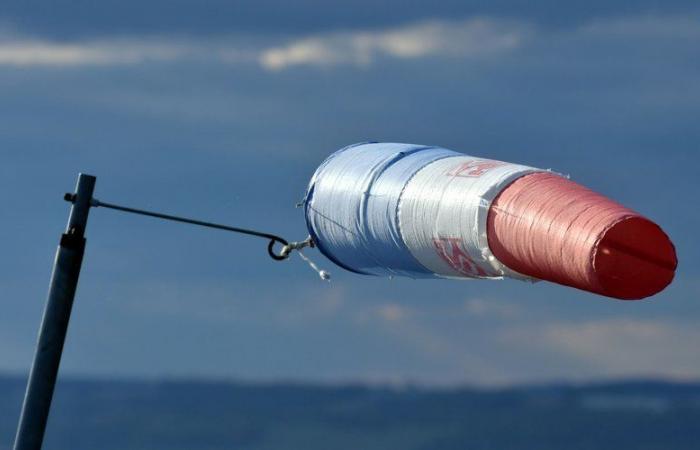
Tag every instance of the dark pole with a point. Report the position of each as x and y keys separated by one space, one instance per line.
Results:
x=64 y=280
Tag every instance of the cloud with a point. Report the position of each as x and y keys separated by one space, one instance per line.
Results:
x=473 y=38
x=20 y=50
x=392 y=312
x=479 y=307
x=468 y=38
x=31 y=52
x=618 y=347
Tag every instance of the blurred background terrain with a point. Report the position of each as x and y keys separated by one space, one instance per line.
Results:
x=184 y=415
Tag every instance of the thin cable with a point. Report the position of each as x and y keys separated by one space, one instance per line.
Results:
x=325 y=276
x=273 y=238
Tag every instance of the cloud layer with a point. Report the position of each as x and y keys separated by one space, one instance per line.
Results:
x=462 y=39
x=457 y=39
x=31 y=52
x=618 y=346
x=483 y=37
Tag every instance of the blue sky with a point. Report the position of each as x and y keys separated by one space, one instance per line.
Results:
x=223 y=112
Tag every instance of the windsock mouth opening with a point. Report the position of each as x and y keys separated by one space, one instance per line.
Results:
x=634 y=259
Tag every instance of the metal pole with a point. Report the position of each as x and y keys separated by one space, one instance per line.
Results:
x=64 y=280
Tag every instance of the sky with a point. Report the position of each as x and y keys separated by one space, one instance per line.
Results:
x=223 y=110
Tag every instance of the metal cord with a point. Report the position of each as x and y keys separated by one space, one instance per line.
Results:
x=270 y=248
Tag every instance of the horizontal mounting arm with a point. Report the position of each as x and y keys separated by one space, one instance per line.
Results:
x=270 y=248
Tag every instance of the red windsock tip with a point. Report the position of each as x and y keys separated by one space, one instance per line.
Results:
x=548 y=227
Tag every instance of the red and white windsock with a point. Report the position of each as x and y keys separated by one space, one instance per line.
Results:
x=419 y=211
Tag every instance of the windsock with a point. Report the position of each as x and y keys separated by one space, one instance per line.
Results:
x=418 y=211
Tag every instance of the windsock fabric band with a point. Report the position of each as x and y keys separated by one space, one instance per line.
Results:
x=554 y=229
x=401 y=209
x=352 y=202
x=443 y=211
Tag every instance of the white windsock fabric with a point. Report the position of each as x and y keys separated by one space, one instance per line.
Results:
x=410 y=210
x=443 y=211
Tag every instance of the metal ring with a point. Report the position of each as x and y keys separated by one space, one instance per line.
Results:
x=270 y=249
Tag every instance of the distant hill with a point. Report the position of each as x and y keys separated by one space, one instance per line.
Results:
x=136 y=415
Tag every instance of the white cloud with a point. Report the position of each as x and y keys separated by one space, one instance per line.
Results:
x=392 y=312
x=31 y=52
x=479 y=307
x=474 y=37
x=618 y=347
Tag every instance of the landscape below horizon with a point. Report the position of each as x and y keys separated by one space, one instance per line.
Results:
x=190 y=414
